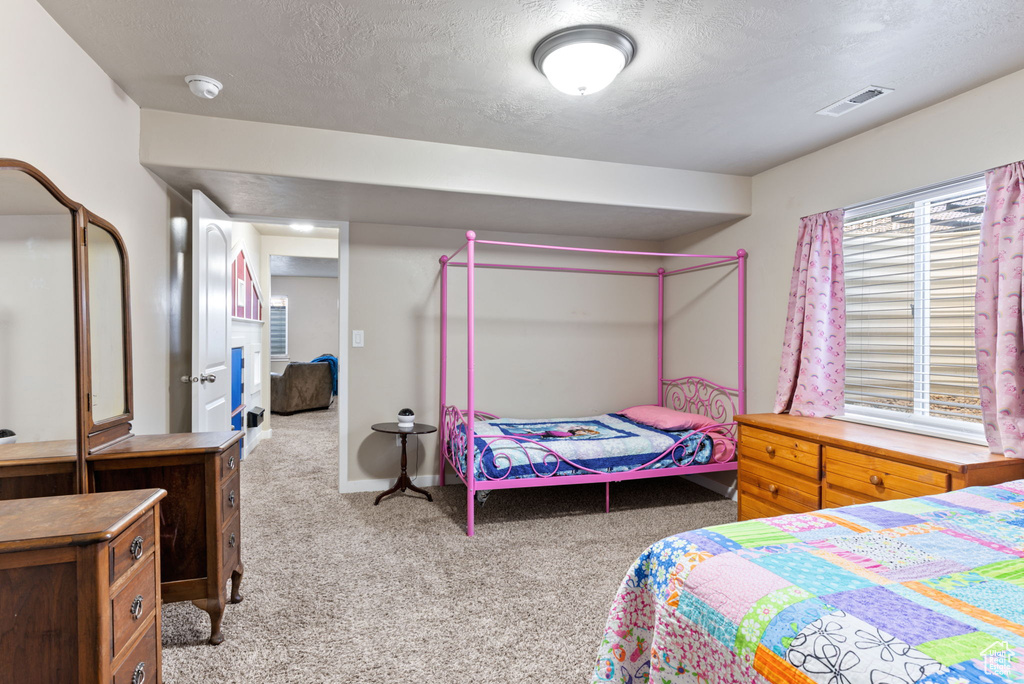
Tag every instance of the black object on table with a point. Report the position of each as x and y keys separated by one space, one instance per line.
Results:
x=403 y=480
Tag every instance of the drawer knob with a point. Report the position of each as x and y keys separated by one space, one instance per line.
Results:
x=231 y=541
x=137 y=607
x=774 y=489
x=875 y=480
x=231 y=462
x=139 y=676
x=231 y=498
x=770 y=449
x=136 y=548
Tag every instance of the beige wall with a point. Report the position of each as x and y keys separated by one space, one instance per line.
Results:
x=966 y=134
x=548 y=344
x=37 y=327
x=62 y=114
x=312 y=316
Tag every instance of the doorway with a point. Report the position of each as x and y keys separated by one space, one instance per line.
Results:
x=260 y=336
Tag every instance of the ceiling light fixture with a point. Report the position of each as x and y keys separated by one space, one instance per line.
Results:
x=302 y=227
x=203 y=86
x=583 y=59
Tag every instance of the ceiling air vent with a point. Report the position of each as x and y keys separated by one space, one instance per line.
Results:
x=858 y=99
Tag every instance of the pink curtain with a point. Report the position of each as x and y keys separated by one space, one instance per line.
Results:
x=997 y=313
x=814 y=350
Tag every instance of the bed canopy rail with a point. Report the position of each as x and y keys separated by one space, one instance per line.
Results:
x=691 y=394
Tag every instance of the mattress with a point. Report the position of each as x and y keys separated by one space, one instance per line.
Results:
x=605 y=443
x=927 y=590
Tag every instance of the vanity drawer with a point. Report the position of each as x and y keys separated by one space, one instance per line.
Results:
x=781 y=451
x=229 y=462
x=230 y=498
x=130 y=547
x=141 y=664
x=877 y=479
x=782 y=487
x=133 y=605
x=232 y=541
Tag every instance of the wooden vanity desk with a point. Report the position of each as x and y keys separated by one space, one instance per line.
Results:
x=80 y=601
x=794 y=464
x=74 y=430
x=200 y=523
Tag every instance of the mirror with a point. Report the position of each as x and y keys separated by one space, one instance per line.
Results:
x=38 y=374
x=106 y=324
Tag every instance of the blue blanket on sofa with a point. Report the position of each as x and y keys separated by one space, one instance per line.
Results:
x=331 y=361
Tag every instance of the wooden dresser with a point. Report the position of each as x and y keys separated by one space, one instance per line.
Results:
x=793 y=464
x=200 y=520
x=201 y=524
x=80 y=590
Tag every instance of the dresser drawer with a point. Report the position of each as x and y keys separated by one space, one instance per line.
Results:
x=751 y=507
x=141 y=664
x=878 y=478
x=232 y=541
x=131 y=547
x=133 y=604
x=836 y=498
x=780 y=451
x=229 y=462
x=782 y=487
x=230 y=498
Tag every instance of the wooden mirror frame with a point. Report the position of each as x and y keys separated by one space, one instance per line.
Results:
x=112 y=429
x=90 y=435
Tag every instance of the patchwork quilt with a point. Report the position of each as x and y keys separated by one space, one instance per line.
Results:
x=927 y=590
x=606 y=443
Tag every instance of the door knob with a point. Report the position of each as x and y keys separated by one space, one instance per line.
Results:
x=189 y=379
x=204 y=378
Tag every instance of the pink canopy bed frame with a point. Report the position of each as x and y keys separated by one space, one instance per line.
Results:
x=691 y=394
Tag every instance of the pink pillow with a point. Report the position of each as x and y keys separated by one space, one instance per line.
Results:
x=667 y=419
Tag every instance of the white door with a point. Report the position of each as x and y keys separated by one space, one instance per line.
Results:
x=211 y=321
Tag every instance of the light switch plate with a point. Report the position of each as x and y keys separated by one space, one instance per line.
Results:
x=357 y=338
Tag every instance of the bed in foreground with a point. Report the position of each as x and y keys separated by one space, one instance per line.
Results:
x=914 y=590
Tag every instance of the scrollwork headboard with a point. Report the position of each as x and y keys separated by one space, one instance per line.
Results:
x=694 y=394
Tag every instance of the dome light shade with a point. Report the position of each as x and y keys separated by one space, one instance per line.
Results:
x=584 y=59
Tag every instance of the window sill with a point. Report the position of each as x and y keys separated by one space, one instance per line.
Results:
x=928 y=430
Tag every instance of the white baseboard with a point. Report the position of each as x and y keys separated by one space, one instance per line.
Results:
x=717 y=487
x=374 y=485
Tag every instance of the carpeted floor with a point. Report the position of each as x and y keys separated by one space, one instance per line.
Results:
x=337 y=590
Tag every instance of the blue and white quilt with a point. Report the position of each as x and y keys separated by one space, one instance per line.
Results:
x=606 y=443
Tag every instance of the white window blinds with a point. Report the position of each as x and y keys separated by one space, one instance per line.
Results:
x=911 y=267
x=279 y=327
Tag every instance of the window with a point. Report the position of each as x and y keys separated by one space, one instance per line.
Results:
x=911 y=267
x=278 y=327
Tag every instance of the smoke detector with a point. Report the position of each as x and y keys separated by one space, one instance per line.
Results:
x=851 y=102
x=203 y=86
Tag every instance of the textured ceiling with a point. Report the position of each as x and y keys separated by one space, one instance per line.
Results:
x=285 y=230
x=717 y=85
x=305 y=267
x=249 y=195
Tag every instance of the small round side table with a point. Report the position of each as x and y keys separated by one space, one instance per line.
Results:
x=403 y=480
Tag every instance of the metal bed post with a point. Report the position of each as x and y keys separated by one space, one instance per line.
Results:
x=661 y=334
x=741 y=365
x=470 y=370
x=444 y=368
